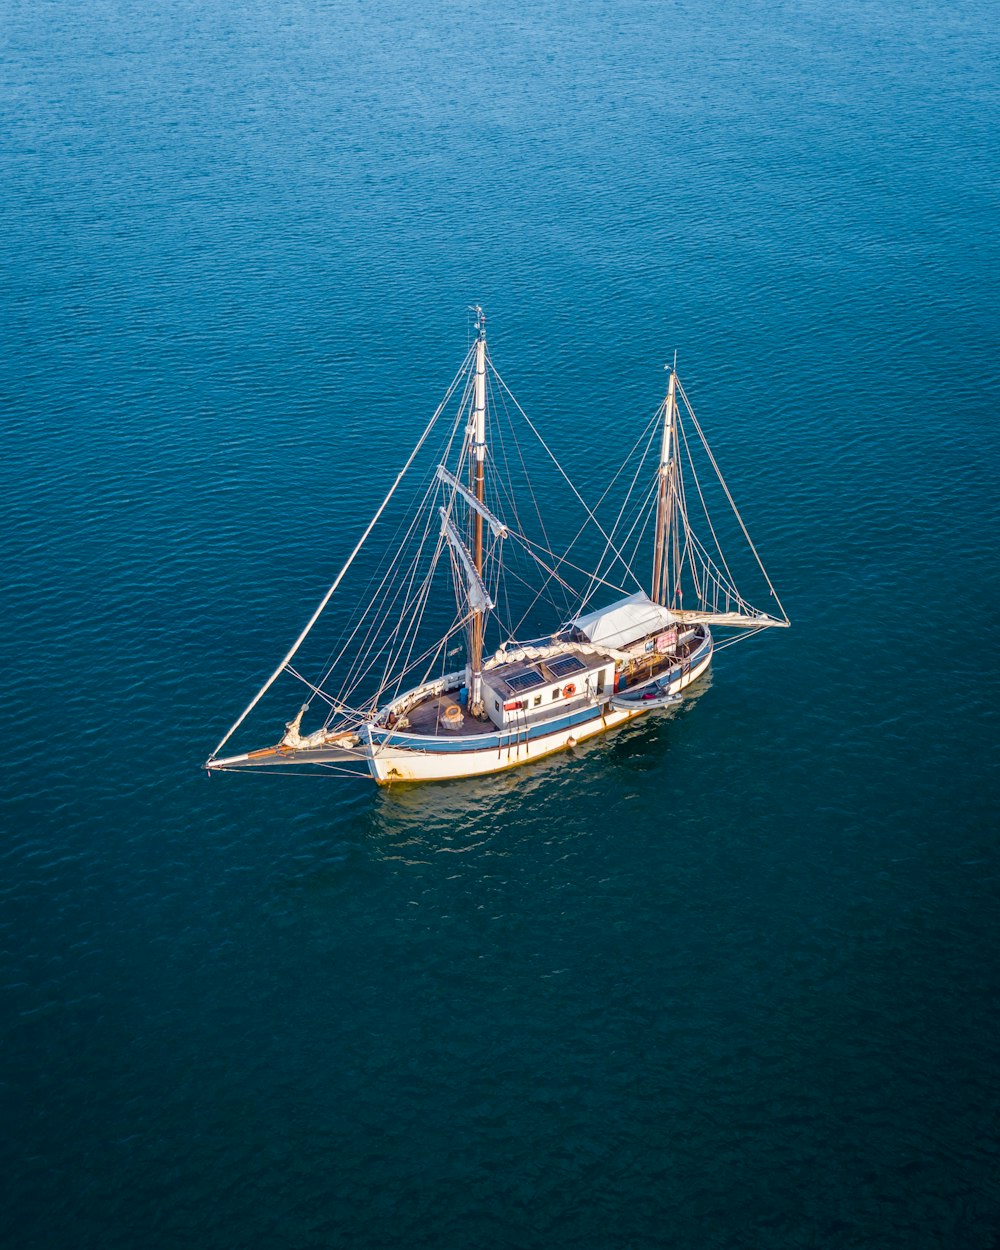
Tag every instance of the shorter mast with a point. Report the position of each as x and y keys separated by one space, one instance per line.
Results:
x=658 y=589
x=478 y=448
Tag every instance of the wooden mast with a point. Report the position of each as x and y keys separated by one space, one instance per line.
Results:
x=659 y=588
x=478 y=487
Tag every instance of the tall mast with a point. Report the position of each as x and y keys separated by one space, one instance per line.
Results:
x=658 y=590
x=478 y=487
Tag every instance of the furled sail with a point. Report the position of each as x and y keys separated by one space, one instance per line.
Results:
x=496 y=525
x=736 y=620
x=479 y=599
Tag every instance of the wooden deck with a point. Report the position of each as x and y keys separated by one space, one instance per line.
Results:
x=425 y=718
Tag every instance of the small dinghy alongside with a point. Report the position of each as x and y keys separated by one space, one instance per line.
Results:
x=647 y=698
x=393 y=703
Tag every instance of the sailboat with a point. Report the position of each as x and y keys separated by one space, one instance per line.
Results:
x=396 y=705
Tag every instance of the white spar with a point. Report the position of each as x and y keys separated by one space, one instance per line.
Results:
x=496 y=525
x=479 y=598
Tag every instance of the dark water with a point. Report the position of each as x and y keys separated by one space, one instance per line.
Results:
x=726 y=981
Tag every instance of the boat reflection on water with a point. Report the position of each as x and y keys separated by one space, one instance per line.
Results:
x=550 y=798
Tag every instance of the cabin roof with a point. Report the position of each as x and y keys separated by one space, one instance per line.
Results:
x=549 y=669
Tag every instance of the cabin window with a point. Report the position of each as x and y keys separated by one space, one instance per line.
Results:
x=600 y=680
x=496 y=704
x=538 y=700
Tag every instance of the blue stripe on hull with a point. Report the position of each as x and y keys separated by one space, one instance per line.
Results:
x=483 y=742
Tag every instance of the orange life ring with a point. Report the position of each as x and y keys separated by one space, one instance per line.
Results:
x=569 y=691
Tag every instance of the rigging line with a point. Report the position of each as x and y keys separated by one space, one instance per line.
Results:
x=494 y=560
x=508 y=610
x=417 y=616
x=594 y=575
x=380 y=602
x=527 y=542
x=640 y=518
x=571 y=594
x=457 y=625
x=340 y=576
x=652 y=428
x=643 y=516
x=553 y=575
x=704 y=505
x=689 y=548
x=712 y=572
x=384 y=681
x=502 y=483
x=520 y=456
x=678 y=566
x=460 y=622
x=502 y=588
x=496 y=577
x=464 y=404
x=508 y=494
x=334 y=703
x=644 y=523
x=540 y=592
x=732 y=502
x=687 y=555
x=405 y=587
x=506 y=488
x=398 y=547
x=721 y=646
x=562 y=471
x=375 y=607
x=385 y=651
x=439 y=649
x=461 y=609
x=365 y=660
x=512 y=633
x=394 y=553
x=377 y=614
x=509 y=559
x=382 y=652
x=648 y=433
x=291 y=769
x=528 y=585
x=713 y=575
x=497 y=481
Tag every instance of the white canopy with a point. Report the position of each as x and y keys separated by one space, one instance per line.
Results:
x=624 y=622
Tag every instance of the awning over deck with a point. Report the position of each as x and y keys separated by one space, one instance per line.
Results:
x=622 y=623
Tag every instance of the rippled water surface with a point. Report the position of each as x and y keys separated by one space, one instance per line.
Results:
x=726 y=980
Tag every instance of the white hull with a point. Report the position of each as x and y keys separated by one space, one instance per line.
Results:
x=390 y=763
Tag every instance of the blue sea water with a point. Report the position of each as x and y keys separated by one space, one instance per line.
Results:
x=727 y=980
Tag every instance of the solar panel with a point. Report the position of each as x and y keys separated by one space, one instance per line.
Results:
x=563 y=665
x=526 y=681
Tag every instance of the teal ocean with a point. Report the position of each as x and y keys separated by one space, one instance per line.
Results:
x=729 y=979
